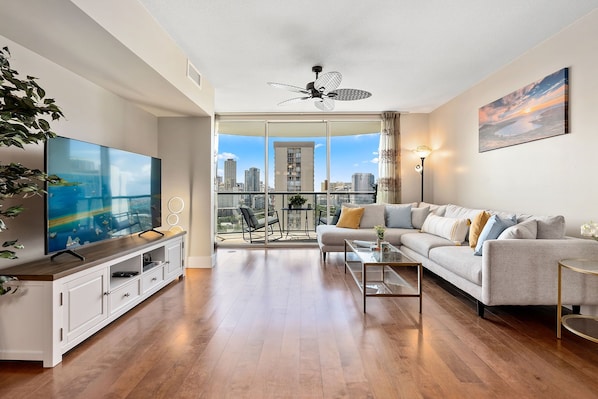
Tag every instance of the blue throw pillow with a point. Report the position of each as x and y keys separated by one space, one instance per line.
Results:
x=492 y=229
x=399 y=217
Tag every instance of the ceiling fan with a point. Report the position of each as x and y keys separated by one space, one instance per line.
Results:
x=323 y=90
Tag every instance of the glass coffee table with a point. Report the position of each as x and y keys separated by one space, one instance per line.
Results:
x=377 y=273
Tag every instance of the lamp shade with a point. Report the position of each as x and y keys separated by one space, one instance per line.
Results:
x=423 y=151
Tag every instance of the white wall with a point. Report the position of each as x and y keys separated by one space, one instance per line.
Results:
x=550 y=176
x=414 y=132
x=186 y=149
x=91 y=114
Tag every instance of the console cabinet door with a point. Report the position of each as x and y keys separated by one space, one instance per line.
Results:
x=174 y=259
x=85 y=303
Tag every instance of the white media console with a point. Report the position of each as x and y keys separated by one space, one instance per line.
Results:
x=62 y=302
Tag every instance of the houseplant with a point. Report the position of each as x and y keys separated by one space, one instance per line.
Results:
x=24 y=110
x=296 y=201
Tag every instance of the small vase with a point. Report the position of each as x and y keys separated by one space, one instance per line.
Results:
x=378 y=243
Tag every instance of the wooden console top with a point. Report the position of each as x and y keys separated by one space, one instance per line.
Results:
x=45 y=269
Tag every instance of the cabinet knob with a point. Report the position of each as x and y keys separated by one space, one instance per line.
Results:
x=127 y=294
x=107 y=293
x=167 y=262
x=155 y=279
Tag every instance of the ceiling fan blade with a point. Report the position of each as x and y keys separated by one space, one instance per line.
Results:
x=296 y=89
x=324 y=104
x=294 y=100
x=350 y=94
x=328 y=81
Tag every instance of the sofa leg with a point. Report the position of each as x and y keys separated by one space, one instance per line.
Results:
x=576 y=309
x=324 y=256
x=481 y=308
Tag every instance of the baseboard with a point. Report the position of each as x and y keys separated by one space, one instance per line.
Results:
x=201 y=262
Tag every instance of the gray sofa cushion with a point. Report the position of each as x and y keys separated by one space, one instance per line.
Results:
x=333 y=235
x=398 y=216
x=460 y=261
x=330 y=235
x=373 y=215
x=418 y=216
x=423 y=242
x=549 y=227
x=434 y=208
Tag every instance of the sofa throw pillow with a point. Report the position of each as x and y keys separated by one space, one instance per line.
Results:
x=551 y=227
x=373 y=215
x=450 y=228
x=350 y=217
x=418 y=216
x=525 y=230
x=477 y=224
x=437 y=210
x=398 y=216
x=494 y=226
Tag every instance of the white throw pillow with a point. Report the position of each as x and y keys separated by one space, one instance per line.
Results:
x=450 y=228
x=524 y=230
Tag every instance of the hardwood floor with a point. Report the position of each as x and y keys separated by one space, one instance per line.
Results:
x=282 y=324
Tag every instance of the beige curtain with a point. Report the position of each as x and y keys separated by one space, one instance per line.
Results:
x=389 y=183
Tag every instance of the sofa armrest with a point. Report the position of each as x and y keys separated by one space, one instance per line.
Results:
x=525 y=272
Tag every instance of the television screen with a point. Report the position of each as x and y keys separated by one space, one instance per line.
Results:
x=105 y=193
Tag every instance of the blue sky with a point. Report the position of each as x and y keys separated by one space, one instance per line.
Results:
x=349 y=154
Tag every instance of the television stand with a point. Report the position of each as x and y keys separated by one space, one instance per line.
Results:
x=70 y=252
x=62 y=303
x=147 y=231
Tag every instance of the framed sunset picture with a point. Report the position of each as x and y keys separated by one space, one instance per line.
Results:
x=536 y=111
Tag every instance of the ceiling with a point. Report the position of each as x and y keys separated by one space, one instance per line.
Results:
x=413 y=56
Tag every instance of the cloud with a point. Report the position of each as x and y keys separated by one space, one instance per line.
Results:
x=375 y=160
x=227 y=155
x=318 y=145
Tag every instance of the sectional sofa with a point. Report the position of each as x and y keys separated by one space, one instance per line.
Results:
x=514 y=260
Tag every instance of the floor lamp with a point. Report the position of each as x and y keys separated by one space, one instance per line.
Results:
x=422 y=152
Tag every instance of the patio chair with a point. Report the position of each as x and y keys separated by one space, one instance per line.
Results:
x=251 y=223
x=323 y=219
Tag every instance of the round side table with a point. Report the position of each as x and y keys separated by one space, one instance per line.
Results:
x=584 y=326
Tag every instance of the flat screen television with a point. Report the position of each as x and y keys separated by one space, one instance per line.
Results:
x=105 y=193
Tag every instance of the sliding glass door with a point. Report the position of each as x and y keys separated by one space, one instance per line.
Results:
x=291 y=173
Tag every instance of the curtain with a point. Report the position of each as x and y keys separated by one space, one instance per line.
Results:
x=389 y=184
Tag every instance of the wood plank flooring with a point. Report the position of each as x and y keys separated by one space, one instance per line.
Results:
x=280 y=323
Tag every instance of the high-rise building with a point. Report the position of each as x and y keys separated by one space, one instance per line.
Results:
x=230 y=174
x=252 y=179
x=294 y=165
x=294 y=171
x=362 y=182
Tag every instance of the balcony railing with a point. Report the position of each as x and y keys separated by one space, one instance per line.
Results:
x=296 y=224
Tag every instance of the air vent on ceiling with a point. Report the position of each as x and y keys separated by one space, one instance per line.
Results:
x=193 y=74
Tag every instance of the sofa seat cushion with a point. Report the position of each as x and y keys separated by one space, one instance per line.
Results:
x=422 y=243
x=460 y=261
x=330 y=235
x=335 y=236
x=393 y=235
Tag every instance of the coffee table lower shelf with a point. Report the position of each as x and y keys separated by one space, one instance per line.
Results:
x=383 y=280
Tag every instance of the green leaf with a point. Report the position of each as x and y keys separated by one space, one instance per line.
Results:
x=9 y=243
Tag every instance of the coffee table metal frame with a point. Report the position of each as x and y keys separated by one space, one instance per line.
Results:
x=362 y=262
x=588 y=322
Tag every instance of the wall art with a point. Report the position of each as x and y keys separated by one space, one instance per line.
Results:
x=536 y=111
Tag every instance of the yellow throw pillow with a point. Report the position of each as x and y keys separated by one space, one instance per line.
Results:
x=477 y=225
x=350 y=217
